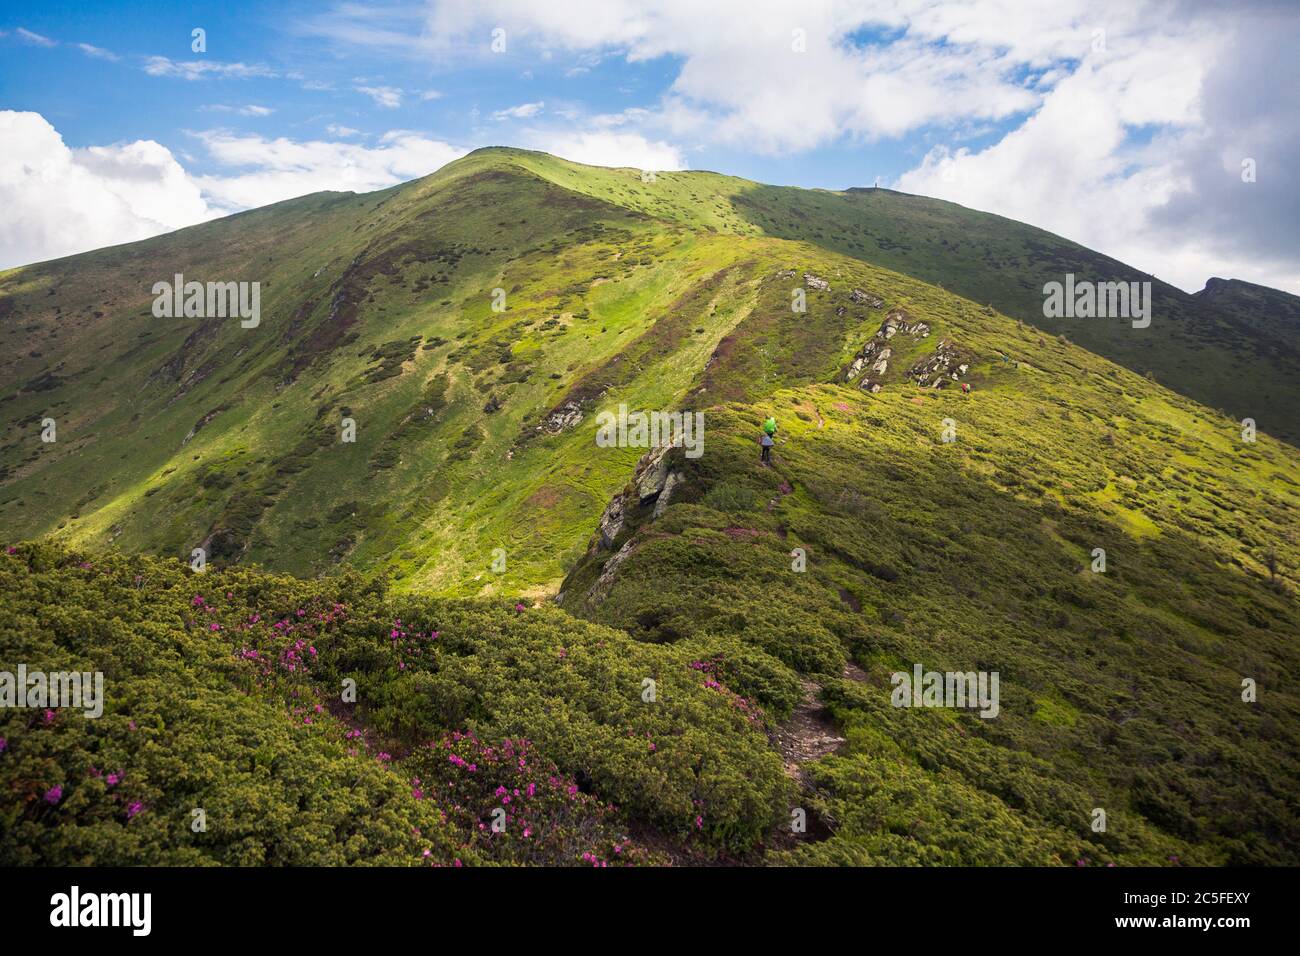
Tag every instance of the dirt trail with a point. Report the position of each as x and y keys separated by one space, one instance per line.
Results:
x=810 y=733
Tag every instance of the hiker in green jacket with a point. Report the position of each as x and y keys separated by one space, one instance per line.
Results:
x=768 y=440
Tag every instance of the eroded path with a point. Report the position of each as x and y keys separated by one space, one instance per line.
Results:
x=811 y=733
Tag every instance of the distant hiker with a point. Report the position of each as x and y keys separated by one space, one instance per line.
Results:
x=965 y=388
x=768 y=439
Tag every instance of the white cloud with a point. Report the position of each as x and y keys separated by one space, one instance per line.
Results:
x=389 y=97
x=1075 y=168
x=334 y=129
x=277 y=169
x=34 y=38
x=59 y=201
x=430 y=95
x=603 y=148
x=204 y=69
x=97 y=52
x=522 y=111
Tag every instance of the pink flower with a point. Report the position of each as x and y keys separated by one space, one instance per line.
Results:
x=214 y=626
x=49 y=716
x=133 y=809
x=4 y=745
x=53 y=795
x=112 y=779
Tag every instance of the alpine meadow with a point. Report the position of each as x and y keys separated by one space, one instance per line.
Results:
x=548 y=513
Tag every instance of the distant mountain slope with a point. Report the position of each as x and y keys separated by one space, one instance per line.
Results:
x=473 y=427
x=1238 y=353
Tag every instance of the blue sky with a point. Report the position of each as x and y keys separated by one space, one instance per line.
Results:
x=1096 y=121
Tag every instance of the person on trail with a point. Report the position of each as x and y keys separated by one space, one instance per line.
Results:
x=768 y=439
x=965 y=388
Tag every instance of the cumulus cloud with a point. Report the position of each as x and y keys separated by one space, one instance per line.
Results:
x=280 y=168
x=1171 y=202
x=59 y=201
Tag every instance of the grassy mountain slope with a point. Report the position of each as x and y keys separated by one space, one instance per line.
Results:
x=1120 y=690
x=1238 y=353
x=181 y=433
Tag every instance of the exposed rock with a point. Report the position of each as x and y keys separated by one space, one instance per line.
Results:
x=661 y=504
x=948 y=363
x=858 y=296
x=203 y=421
x=881 y=365
x=611 y=523
x=651 y=473
x=816 y=282
x=875 y=354
x=601 y=588
x=565 y=416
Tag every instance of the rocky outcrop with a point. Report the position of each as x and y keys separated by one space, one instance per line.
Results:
x=948 y=363
x=611 y=523
x=651 y=474
x=816 y=282
x=859 y=297
x=874 y=357
x=665 y=494
x=598 y=591
x=564 y=416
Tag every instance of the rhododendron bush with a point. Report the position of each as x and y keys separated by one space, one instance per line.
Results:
x=478 y=732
